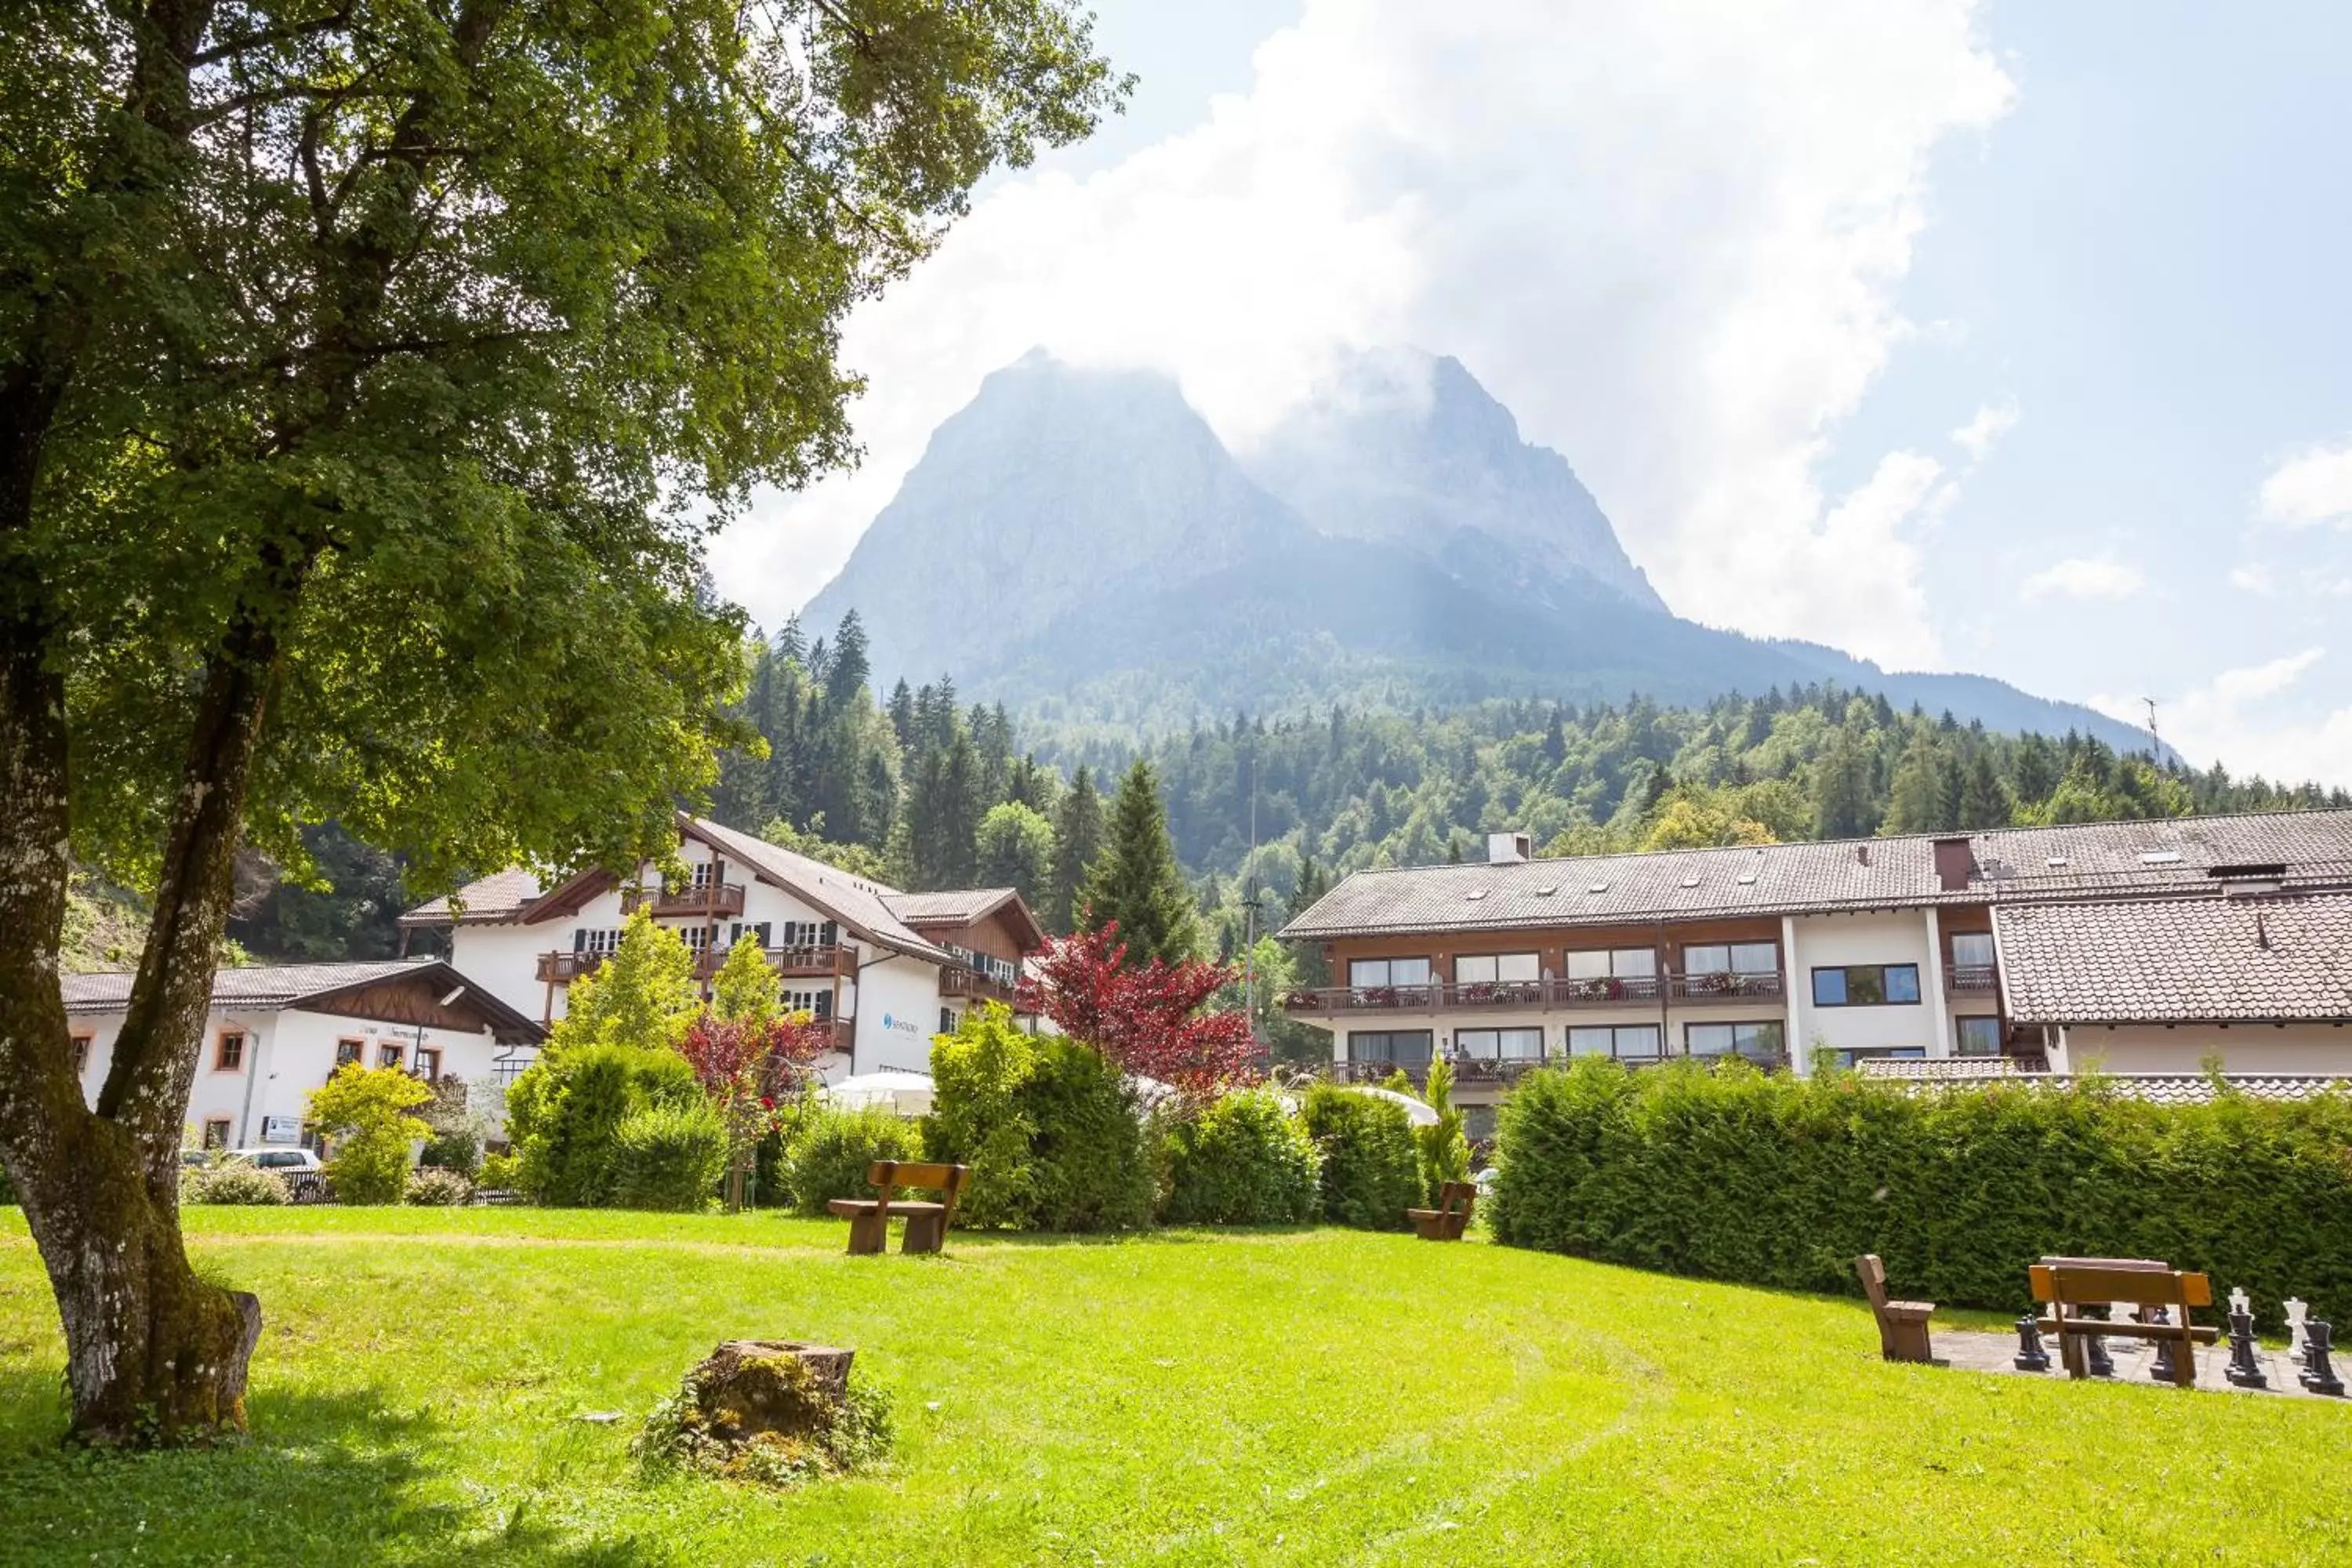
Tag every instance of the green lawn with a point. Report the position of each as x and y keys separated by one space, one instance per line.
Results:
x=1317 y=1397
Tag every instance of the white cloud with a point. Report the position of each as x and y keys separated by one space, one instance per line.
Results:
x=1989 y=425
x=2311 y=487
x=2084 y=577
x=2255 y=578
x=1668 y=235
x=2242 y=718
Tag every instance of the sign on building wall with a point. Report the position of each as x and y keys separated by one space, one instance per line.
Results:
x=281 y=1129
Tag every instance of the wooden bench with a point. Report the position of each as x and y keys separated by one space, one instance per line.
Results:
x=1451 y=1217
x=2069 y=1285
x=926 y=1222
x=1902 y=1325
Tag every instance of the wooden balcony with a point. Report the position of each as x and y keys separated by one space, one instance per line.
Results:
x=1542 y=995
x=956 y=981
x=1972 y=979
x=1481 y=1072
x=563 y=968
x=685 y=903
x=825 y=961
x=1726 y=986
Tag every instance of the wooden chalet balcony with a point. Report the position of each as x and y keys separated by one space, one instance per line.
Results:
x=1726 y=986
x=956 y=981
x=563 y=968
x=1482 y=1072
x=1547 y=996
x=1972 y=979
x=823 y=961
x=726 y=899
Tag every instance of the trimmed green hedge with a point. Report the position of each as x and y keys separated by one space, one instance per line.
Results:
x=832 y=1149
x=1371 y=1171
x=1245 y=1160
x=1772 y=1180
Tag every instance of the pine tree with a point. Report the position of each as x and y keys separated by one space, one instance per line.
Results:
x=1136 y=882
x=1915 y=798
x=902 y=714
x=1077 y=839
x=1983 y=801
x=1844 y=801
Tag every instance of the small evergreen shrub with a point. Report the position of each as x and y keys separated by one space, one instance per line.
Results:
x=499 y=1172
x=832 y=1148
x=1444 y=1152
x=1370 y=1169
x=564 y=1115
x=435 y=1187
x=976 y=1118
x=668 y=1156
x=1772 y=1180
x=240 y=1181
x=1245 y=1160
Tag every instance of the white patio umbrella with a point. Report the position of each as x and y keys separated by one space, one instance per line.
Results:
x=902 y=1093
x=1417 y=1114
x=1149 y=1092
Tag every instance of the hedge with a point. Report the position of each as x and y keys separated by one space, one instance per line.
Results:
x=566 y=1112
x=1767 y=1179
x=668 y=1156
x=1245 y=1160
x=831 y=1150
x=1370 y=1169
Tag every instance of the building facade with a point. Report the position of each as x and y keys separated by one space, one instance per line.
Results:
x=277 y=1032
x=1794 y=954
x=886 y=970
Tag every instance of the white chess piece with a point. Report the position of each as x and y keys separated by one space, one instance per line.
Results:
x=2297 y=1314
x=2239 y=1302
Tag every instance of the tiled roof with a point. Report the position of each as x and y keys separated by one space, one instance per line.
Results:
x=954 y=905
x=496 y=898
x=259 y=985
x=858 y=902
x=2278 y=957
x=2103 y=860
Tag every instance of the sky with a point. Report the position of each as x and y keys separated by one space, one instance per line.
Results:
x=1961 y=334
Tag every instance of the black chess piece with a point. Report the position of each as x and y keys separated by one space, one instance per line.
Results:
x=2318 y=1371
x=2159 y=1367
x=2097 y=1361
x=2031 y=1356
x=2245 y=1368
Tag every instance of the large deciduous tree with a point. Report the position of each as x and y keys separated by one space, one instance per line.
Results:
x=370 y=372
x=1144 y=1015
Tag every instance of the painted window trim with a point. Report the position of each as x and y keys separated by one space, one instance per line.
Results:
x=220 y=1049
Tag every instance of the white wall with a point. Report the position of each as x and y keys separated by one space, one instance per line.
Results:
x=503 y=960
x=2243 y=1047
x=1827 y=941
x=287 y=1054
x=898 y=1013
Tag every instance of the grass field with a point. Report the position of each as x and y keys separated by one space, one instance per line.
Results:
x=1312 y=1396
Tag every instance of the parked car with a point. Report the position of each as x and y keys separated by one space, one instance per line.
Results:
x=305 y=1177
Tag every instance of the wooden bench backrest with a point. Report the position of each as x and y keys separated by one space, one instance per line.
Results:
x=1455 y=1197
x=888 y=1175
x=1874 y=1279
x=2066 y=1282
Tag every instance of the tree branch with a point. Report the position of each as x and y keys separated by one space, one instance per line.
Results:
x=270 y=37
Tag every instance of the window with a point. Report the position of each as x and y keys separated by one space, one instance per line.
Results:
x=757 y=932
x=215 y=1131
x=509 y=1066
x=81 y=1054
x=697 y=938
x=347 y=1052
x=228 y=1052
x=1979 y=1036
x=1764 y=1041
x=1972 y=950
x=388 y=1056
x=1371 y=973
x=1499 y=1044
x=819 y=1003
x=1626 y=1041
x=595 y=942
x=1406 y=1047
x=703 y=877
x=1495 y=968
x=1621 y=962
x=1732 y=958
x=428 y=1063
x=1866 y=985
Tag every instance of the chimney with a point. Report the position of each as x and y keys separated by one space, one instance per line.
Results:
x=1508 y=848
x=1956 y=863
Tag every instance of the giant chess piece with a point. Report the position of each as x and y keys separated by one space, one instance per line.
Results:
x=2031 y=1356
x=2159 y=1365
x=2096 y=1359
x=2298 y=1313
x=2245 y=1368
x=2318 y=1371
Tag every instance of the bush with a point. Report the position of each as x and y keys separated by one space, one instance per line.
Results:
x=1444 y=1153
x=435 y=1187
x=499 y=1172
x=364 y=1112
x=233 y=1181
x=564 y=1115
x=1244 y=1161
x=1048 y=1125
x=831 y=1148
x=1778 y=1181
x=1370 y=1169
x=668 y=1156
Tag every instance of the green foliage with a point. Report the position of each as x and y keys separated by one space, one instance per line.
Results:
x=1077 y=841
x=1136 y=882
x=499 y=1172
x=434 y=1187
x=1050 y=1130
x=455 y=1142
x=1773 y=1180
x=746 y=989
x=566 y=1112
x=1370 y=1170
x=1444 y=1151
x=668 y=1156
x=363 y=1113
x=1245 y=1160
x=830 y=1150
x=1016 y=851
x=234 y=1182
x=644 y=996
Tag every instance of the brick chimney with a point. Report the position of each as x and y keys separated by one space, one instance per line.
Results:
x=1956 y=863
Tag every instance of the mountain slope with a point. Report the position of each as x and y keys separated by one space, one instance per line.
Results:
x=1080 y=542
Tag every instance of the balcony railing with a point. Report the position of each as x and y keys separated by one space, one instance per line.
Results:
x=1971 y=980
x=563 y=968
x=1602 y=991
x=726 y=899
x=1476 y=1071
x=957 y=981
x=819 y=962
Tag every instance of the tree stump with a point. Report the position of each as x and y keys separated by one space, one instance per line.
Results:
x=787 y=1387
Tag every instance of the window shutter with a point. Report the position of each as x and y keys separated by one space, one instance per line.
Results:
x=761 y=930
x=828 y=934
x=580 y=940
